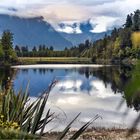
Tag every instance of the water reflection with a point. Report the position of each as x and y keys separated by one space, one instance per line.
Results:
x=118 y=78
x=112 y=92
x=132 y=89
x=6 y=75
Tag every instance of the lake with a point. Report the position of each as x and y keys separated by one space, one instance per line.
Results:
x=109 y=91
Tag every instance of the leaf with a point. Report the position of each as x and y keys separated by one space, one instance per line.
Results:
x=83 y=128
x=65 y=131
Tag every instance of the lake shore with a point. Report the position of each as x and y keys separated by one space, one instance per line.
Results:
x=53 y=60
x=99 y=134
x=72 y=60
x=59 y=66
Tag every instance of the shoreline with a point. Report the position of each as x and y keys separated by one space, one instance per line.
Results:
x=99 y=134
x=67 y=66
x=68 y=61
x=54 y=60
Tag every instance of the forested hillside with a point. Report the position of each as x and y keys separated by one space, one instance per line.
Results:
x=122 y=43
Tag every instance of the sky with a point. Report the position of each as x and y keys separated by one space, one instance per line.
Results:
x=102 y=14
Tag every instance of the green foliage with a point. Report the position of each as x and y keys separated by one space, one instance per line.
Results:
x=116 y=47
x=29 y=117
x=7 y=53
x=125 y=38
x=1 y=53
x=4 y=124
x=123 y=43
x=78 y=132
x=23 y=119
x=14 y=134
x=136 y=20
x=44 y=51
x=129 y=21
x=132 y=88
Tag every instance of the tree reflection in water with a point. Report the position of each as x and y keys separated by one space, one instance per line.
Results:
x=123 y=79
x=6 y=76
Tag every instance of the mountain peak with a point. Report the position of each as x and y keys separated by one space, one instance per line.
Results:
x=35 y=31
x=32 y=32
x=75 y=27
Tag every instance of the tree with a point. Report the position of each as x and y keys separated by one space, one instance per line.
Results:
x=34 y=49
x=7 y=44
x=17 y=48
x=136 y=39
x=129 y=22
x=136 y=21
x=1 y=53
x=40 y=48
x=65 y=49
x=114 y=34
x=116 y=47
x=51 y=48
x=43 y=47
x=125 y=36
x=87 y=44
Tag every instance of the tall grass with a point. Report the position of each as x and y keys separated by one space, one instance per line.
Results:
x=17 y=108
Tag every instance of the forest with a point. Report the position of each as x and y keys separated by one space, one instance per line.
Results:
x=123 y=42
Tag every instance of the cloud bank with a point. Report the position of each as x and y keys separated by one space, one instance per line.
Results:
x=103 y=14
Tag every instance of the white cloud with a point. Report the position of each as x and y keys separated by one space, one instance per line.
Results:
x=103 y=13
x=103 y=23
x=69 y=27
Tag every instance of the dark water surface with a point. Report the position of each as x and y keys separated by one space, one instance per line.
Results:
x=113 y=92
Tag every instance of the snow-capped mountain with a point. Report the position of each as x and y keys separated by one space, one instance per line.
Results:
x=35 y=31
x=32 y=32
x=80 y=32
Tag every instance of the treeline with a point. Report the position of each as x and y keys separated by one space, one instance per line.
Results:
x=122 y=43
x=44 y=51
x=7 y=54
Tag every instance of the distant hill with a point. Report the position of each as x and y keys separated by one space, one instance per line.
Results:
x=80 y=32
x=32 y=32
x=76 y=39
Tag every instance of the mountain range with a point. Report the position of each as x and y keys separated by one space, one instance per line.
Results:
x=35 y=31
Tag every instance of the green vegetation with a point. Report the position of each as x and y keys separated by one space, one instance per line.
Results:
x=68 y=60
x=14 y=134
x=7 y=54
x=132 y=88
x=44 y=51
x=20 y=118
x=123 y=43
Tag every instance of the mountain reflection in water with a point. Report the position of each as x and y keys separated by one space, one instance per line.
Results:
x=112 y=92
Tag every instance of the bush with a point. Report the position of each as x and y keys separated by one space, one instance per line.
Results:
x=20 y=117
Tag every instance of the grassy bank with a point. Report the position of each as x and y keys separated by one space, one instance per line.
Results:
x=72 y=60
x=52 y=60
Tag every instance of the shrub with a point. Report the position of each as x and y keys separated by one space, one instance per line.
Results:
x=26 y=118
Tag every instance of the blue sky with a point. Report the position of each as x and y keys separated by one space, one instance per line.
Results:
x=103 y=14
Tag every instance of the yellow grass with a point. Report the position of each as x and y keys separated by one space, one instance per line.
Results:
x=54 y=59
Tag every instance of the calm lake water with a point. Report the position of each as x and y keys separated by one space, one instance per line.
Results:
x=109 y=91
